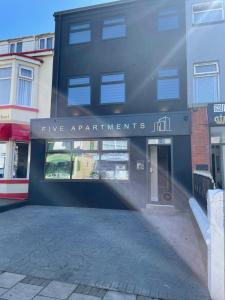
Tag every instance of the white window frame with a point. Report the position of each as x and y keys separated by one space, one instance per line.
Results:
x=205 y=74
x=206 y=11
x=45 y=42
x=6 y=78
x=31 y=79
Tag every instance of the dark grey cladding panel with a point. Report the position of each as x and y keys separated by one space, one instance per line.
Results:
x=216 y=114
x=159 y=124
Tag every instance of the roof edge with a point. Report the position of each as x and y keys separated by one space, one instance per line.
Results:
x=93 y=7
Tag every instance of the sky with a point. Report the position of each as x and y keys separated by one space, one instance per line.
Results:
x=27 y=17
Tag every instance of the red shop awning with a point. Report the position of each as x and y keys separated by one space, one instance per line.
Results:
x=15 y=132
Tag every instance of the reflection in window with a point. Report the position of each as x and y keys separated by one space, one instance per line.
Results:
x=85 y=145
x=113 y=88
x=206 y=83
x=114 y=145
x=114 y=166
x=2 y=159
x=79 y=91
x=168 y=85
x=80 y=33
x=208 y=12
x=59 y=145
x=58 y=166
x=85 y=166
x=5 y=84
x=20 y=160
x=114 y=28
x=168 y=19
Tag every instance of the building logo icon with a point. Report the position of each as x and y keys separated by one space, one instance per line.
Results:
x=162 y=125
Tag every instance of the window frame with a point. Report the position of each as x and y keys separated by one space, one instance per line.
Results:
x=45 y=43
x=5 y=160
x=168 y=78
x=28 y=160
x=173 y=14
x=30 y=79
x=206 y=11
x=113 y=83
x=205 y=74
x=79 y=30
x=99 y=152
x=7 y=78
x=79 y=85
x=112 y=25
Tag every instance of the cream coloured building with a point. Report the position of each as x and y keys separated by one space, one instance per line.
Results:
x=25 y=93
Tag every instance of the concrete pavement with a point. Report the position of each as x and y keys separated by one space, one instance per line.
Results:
x=128 y=252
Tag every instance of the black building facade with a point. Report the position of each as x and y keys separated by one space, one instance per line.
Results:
x=119 y=132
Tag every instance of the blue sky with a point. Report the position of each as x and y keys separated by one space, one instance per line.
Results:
x=27 y=17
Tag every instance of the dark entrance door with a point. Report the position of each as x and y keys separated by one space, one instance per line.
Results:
x=160 y=172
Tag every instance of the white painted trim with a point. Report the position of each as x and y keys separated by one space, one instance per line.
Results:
x=201 y=219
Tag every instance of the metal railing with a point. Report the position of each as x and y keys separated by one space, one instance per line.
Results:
x=202 y=182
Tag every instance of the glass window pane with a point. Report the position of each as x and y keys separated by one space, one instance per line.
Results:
x=115 y=166
x=208 y=6
x=85 y=145
x=206 y=89
x=5 y=86
x=12 y=48
x=80 y=37
x=85 y=166
x=79 y=95
x=5 y=72
x=19 y=47
x=206 y=68
x=79 y=26
x=20 y=160
x=114 y=145
x=168 y=11
x=112 y=78
x=168 y=89
x=112 y=32
x=114 y=21
x=49 y=43
x=59 y=145
x=58 y=166
x=24 y=92
x=113 y=93
x=2 y=159
x=79 y=81
x=168 y=23
x=25 y=73
x=208 y=16
x=42 y=43
x=168 y=72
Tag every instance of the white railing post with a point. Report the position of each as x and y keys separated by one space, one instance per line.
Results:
x=216 y=246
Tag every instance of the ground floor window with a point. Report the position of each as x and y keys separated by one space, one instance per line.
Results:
x=20 y=160
x=87 y=160
x=2 y=159
x=218 y=156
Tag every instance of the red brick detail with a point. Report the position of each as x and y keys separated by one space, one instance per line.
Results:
x=200 y=143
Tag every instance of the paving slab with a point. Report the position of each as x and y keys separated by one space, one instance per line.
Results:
x=22 y=291
x=8 y=280
x=118 y=296
x=58 y=290
x=43 y=298
x=83 y=297
x=2 y=291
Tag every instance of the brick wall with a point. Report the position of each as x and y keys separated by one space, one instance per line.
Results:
x=200 y=138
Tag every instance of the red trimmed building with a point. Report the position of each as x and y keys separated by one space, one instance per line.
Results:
x=25 y=93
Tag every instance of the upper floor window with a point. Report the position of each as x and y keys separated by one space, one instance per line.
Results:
x=168 y=85
x=114 y=28
x=79 y=91
x=24 y=86
x=208 y=12
x=206 y=82
x=16 y=47
x=46 y=43
x=113 y=88
x=168 y=19
x=5 y=84
x=80 y=33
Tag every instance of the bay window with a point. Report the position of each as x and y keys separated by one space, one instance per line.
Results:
x=24 y=86
x=5 y=85
x=87 y=160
